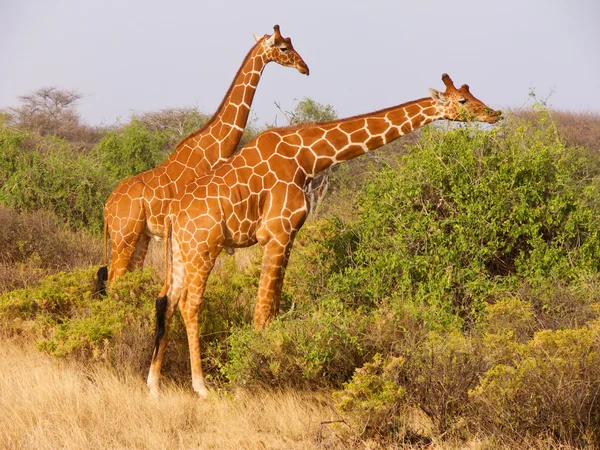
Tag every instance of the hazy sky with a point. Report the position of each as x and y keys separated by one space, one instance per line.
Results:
x=140 y=55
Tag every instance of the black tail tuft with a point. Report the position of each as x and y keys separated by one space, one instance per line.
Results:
x=102 y=277
x=161 y=314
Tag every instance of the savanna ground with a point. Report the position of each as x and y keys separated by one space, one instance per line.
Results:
x=444 y=294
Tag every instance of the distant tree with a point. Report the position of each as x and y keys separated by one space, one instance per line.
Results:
x=309 y=111
x=176 y=123
x=48 y=110
x=52 y=111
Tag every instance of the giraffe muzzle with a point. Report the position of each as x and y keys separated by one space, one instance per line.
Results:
x=495 y=116
x=303 y=69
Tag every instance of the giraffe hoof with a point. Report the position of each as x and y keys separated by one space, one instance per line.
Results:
x=200 y=390
x=153 y=393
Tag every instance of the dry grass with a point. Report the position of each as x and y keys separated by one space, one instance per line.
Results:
x=45 y=404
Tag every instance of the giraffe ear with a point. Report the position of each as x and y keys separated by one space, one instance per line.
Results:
x=256 y=38
x=438 y=96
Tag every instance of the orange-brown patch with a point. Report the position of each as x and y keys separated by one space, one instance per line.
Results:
x=377 y=125
x=286 y=149
x=244 y=174
x=310 y=135
x=237 y=95
x=406 y=128
x=375 y=142
x=359 y=136
x=261 y=169
x=284 y=167
x=306 y=159
x=230 y=178
x=351 y=152
x=256 y=183
x=233 y=223
x=174 y=169
x=430 y=111
x=397 y=116
x=212 y=190
x=338 y=138
x=417 y=121
x=412 y=110
x=324 y=148
x=269 y=180
x=268 y=139
x=292 y=139
x=239 y=193
x=322 y=164
x=251 y=155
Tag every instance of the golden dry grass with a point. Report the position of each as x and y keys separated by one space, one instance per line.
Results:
x=49 y=404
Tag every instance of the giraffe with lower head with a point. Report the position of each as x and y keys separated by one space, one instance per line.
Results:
x=259 y=196
x=135 y=211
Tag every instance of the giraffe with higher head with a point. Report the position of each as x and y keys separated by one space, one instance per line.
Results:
x=259 y=196
x=135 y=211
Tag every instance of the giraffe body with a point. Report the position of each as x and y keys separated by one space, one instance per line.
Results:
x=259 y=196
x=135 y=211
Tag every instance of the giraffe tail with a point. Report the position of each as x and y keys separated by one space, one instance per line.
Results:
x=162 y=301
x=102 y=274
x=161 y=326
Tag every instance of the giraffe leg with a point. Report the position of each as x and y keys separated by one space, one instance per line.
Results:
x=171 y=294
x=139 y=254
x=274 y=262
x=197 y=272
x=122 y=249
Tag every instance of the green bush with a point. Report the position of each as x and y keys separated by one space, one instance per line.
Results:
x=65 y=319
x=549 y=388
x=371 y=401
x=47 y=174
x=319 y=348
x=130 y=150
x=433 y=375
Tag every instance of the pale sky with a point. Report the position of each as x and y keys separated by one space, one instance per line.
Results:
x=141 y=55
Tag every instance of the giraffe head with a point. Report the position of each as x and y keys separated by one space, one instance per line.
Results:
x=459 y=104
x=280 y=49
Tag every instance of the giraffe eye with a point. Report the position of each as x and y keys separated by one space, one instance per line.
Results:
x=283 y=49
x=462 y=101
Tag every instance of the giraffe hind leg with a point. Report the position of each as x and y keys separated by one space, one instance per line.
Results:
x=138 y=257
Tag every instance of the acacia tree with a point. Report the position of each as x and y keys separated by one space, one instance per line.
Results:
x=48 y=110
x=53 y=111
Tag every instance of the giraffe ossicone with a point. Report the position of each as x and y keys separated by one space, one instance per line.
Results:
x=258 y=196
x=135 y=211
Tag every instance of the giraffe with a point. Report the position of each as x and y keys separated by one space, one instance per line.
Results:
x=259 y=196
x=135 y=211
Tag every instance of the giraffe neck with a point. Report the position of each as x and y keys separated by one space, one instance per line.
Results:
x=342 y=140
x=218 y=139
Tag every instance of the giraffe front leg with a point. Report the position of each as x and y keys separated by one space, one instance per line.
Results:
x=197 y=273
x=274 y=262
